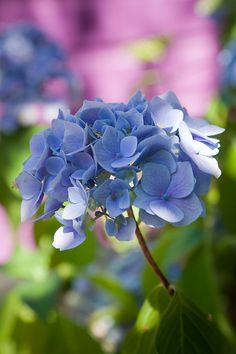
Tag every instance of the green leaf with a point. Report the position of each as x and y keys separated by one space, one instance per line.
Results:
x=184 y=329
x=141 y=339
x=59 y=335
x=28 y=264
x=200 y=268
x=41 y=295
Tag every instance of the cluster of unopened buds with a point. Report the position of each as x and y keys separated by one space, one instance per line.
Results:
x=109 y=157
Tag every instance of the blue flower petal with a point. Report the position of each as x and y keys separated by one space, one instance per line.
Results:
x=37 y=144
x=164 y=115
x=124 y=161
x=182 y=181
x=164 y=157
x=112 y=205
x=111 y=227
x=155 y=179
x=166 y=210
x=111 y=141
x=124 y=200
x=67 y=240
x=151 y=220
x=101 y=193
x=73 y=211
x=128 y=146
x=191 y=207
x=126 y=232
x=77 y=194
x=28 y=185
x=104 y=157
x=54 y=165
x=74 y=138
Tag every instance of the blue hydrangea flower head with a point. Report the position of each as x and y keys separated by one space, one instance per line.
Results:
x=111 y=157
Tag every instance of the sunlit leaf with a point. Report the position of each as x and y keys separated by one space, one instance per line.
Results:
x=41 y=295
x=141 y=339
x=59 y=336
x=28 y=264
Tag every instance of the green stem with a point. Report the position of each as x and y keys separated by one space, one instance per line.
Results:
x=149 y=257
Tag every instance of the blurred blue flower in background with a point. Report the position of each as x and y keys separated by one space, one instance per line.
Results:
x=227 y=60
x=33 y=73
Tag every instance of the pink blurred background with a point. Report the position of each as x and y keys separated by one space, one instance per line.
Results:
x=97 y=36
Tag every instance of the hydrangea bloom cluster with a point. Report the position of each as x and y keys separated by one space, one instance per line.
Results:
x=109 y=157
x=32 y=69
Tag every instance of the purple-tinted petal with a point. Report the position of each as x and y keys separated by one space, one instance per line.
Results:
x=171 y=98
x=104 y=157
x=207 y=165
x=128 y=146
x=37 y=144
x=186 y=140
x=210 y=129
x=53 y=142
x=118 y=185
x=31 y=164
x=94 y=110
x=65 y=241
x=133 y=117
x=74 y=138
x=203 y=126
x=89 y=173
x=124 y=200
x=155 y=179
x=54 y=165
x=50 y=207
x=73 y=211
x=82 y=160
x=110 y=140
x=166 y=210
x=182 y=181
x=164 y=157
x=28 y=185
x=203 y=149
x=58 y=128
x=164 y=116
x=110 y=227
x=102 y=192
x=113 y=207
x=202 y=181
x=143 y=204
x=126 y=232
x=29 y=208
x=58 y=216
x=151 y=220
x=125 y=161
x=76 y=195
x=191 y=207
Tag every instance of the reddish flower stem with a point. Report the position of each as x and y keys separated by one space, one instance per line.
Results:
x=149 y=257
